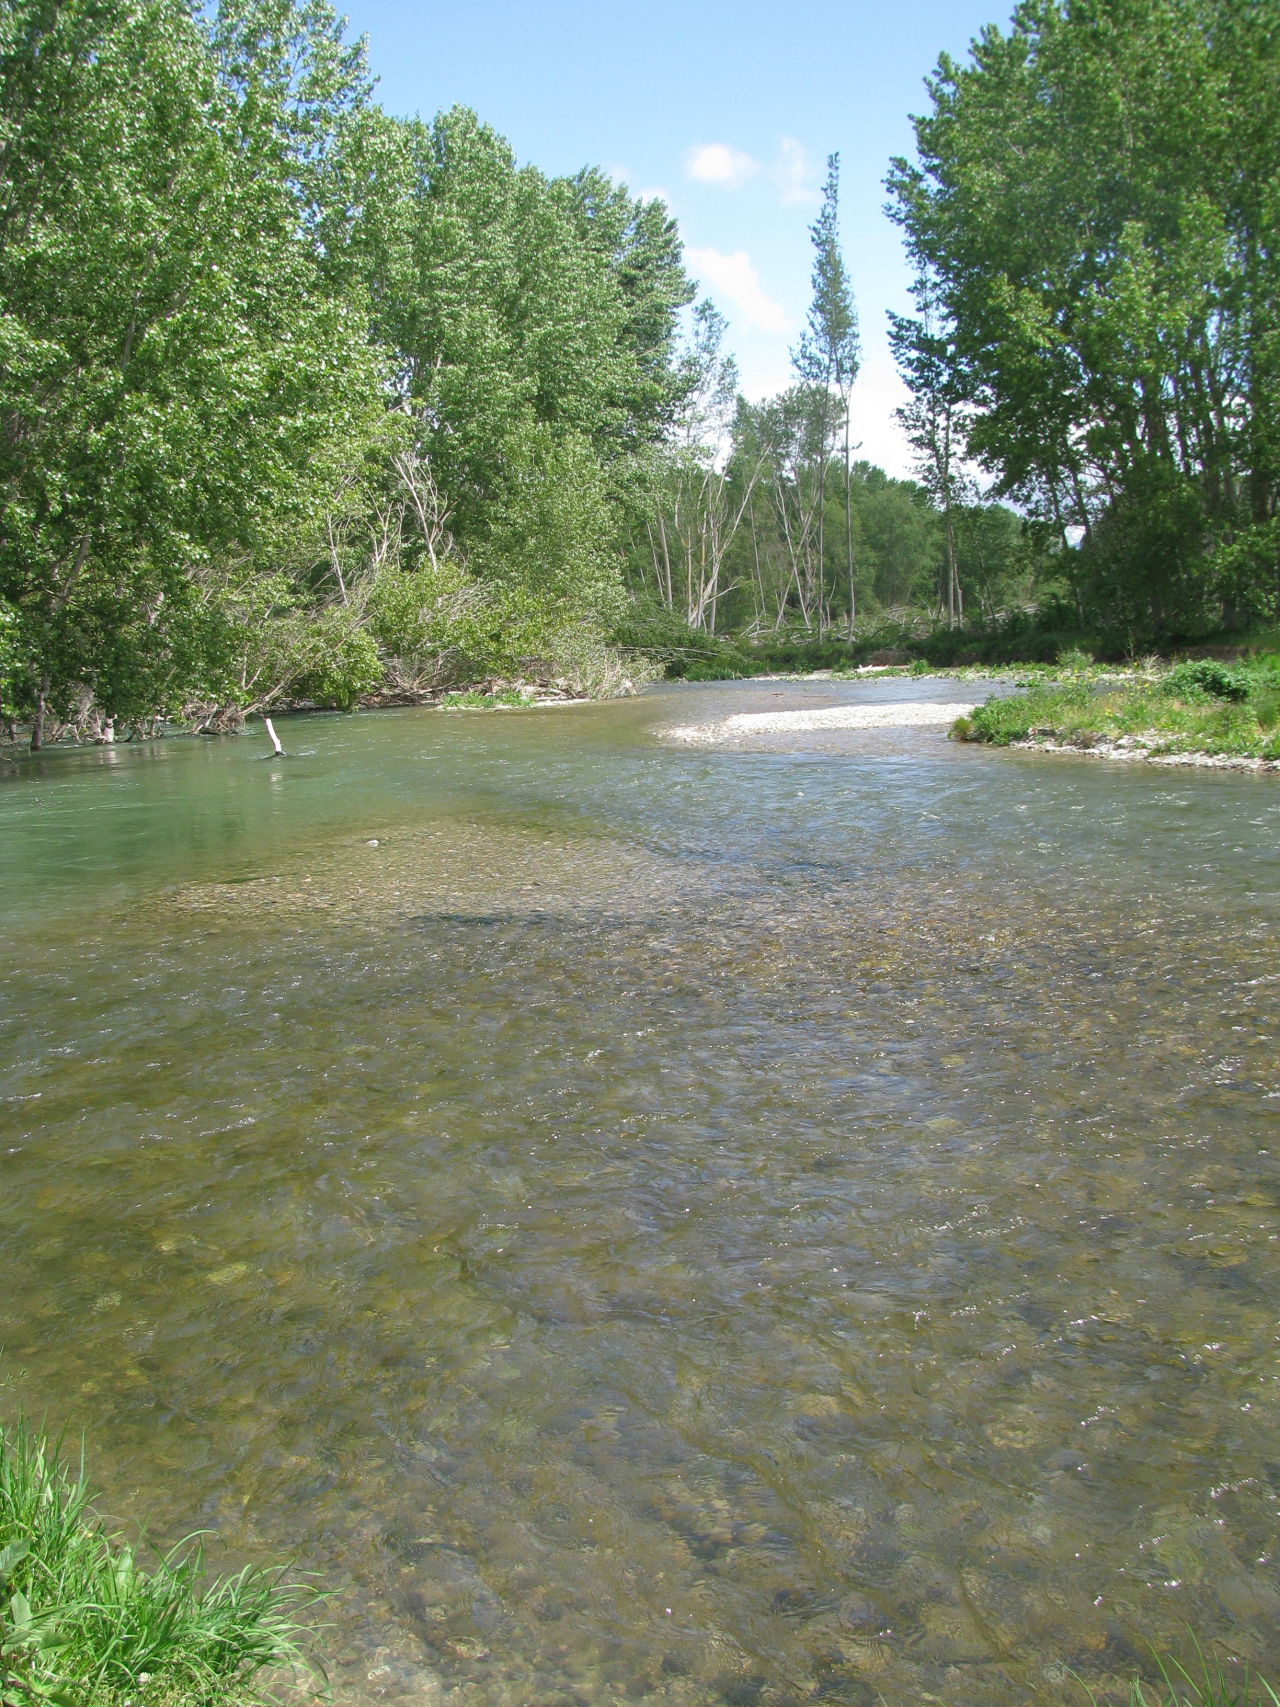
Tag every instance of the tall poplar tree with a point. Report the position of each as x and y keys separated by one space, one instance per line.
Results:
x=826 y=362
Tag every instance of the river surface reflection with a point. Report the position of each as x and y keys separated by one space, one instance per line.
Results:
x=651 y=1224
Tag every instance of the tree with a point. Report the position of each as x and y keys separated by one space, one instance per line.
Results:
x=170 y=357
x=933 y=423
x=826 y=363
x=1094 y=201
x=529 y=324
x=898 y=529
x=702 y=482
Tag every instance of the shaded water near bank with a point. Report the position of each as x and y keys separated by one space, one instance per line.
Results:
x=698 y=1227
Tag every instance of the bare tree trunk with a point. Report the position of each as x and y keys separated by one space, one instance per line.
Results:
x=822 y=538
x=333 y=555
x=37 y=722
x=653 y=554
x=848 y=524
x=759 y=572
x=667 y=591
x=953 y=579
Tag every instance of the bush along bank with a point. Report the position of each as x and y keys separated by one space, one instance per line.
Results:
x=83 y=1621
x=1201 y=710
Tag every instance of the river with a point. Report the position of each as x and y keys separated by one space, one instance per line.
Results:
x=643 y=1222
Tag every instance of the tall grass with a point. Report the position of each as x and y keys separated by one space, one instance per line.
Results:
x=83 y=1622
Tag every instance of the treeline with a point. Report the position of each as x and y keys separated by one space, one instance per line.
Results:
x=756 y=527
x=1093 y=368
x=298 y=400
x=1095 y=219
x=760 y=521
x=301 y=402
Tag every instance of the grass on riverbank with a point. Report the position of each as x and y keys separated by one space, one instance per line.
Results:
x=1201 y=706
x=84 y=1624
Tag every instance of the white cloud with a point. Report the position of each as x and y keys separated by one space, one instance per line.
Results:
x=794 y=173
x=736 y=282
x=717 y=163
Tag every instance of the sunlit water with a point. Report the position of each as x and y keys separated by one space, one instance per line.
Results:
x=692 y=1227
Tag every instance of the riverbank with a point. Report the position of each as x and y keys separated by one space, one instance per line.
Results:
x=85 y=1619
x=1147 y=748
x=1201 y=712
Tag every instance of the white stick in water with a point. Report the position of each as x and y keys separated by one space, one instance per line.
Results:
x=275 y=741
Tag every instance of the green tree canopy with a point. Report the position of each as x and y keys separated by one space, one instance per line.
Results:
x=170 y=357
x=1097 y=201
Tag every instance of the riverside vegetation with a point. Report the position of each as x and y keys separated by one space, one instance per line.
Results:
x=1200 y=706
x=301 y=403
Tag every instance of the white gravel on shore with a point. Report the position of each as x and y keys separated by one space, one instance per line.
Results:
x=1141 y=747
x=892 y=715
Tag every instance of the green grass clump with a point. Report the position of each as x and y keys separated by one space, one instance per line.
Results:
x=1039 y=709
x=473 y=699
x=1199 y=706
x=84 y=1624
x=1074 y=658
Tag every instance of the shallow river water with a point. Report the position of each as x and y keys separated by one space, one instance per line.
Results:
x=666 y=1224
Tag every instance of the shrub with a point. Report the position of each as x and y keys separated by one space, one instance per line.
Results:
x=1207 y=678
x=338 y=661
x=475 y=699
x=651 y=632
x=799 y=656
x=423 y=619
x=1014 y=718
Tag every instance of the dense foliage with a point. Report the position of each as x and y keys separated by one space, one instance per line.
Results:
x=297 y=399
x=1094 y=215
x=301 y=402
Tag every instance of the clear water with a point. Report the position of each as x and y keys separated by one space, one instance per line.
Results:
x=664 y=1225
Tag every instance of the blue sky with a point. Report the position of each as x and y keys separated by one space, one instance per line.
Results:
x=728 y=110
